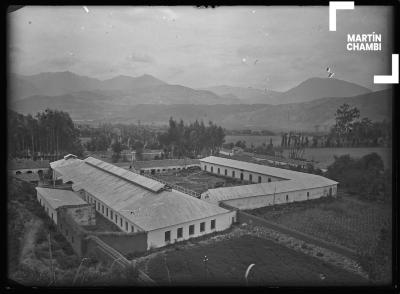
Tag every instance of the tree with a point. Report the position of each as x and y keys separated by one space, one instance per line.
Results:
x=138 y=146
x=116 y=148
x=345 y=118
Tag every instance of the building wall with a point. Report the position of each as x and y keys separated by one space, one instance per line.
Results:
x=27 y=170
x=281 y=198
x=156 y=238
x=164 y=169
x=51 y=212
x=246 y=174
x=71 y=231
x=83 y=215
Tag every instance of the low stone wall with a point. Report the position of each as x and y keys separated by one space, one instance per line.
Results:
x=71 y=220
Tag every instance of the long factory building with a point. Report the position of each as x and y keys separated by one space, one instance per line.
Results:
x=137 y=203
x=267 y=185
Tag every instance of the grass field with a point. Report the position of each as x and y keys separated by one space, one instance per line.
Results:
x=345 y=221
x=275 y=265
x=325 y=156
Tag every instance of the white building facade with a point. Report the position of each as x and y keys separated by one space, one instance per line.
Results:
x=271 y=185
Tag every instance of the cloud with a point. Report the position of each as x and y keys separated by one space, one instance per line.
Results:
x=137 y=57
x=63 y=62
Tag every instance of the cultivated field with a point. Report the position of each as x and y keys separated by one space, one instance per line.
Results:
x=324 y=156
x=346 y=221
x=198 y=181
x=275 y=265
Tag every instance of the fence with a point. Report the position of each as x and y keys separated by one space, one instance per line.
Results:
x=109 y=254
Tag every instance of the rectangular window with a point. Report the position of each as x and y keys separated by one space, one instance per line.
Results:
x=120 y=221
x=212 y=169
x=180 y=232
x=259 y=179
x=132 y=229
x=167 y=236
x=308 y=195
x=98 y=206
x=218 y=171
x=287 y=198
x=212 y=224
x=202 y=226
x=269 y=180
x=116 y=219
x=111 y=214
x=126 y=225
x=191 y=229
x=102 y=209
x=250 y=178
x=205 y=167
x=233 y=174
x=226 y=172
x=107 y=211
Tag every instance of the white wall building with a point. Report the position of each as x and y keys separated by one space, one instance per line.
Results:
x=271 y=185
x=136 y=203
x=164 y=165
x=51 y=199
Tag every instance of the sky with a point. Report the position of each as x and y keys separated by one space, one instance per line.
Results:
x=266 y=47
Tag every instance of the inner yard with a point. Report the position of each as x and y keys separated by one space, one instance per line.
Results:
x=227 y=261
x=198 y=180
x=345 y=221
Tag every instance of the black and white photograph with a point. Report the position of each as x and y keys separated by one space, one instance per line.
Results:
x=156 y=146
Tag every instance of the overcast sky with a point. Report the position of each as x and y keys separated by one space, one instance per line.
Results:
x=265 y=47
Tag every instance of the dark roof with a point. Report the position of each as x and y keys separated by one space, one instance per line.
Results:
x=165 y=163
x=15 y=164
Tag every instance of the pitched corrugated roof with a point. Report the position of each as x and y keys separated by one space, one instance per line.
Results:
x=262 y=189
x=261 y=169
x=58 y=197
x=145 y=182
x=291 y=180
x=156 y=210
x=165 y=163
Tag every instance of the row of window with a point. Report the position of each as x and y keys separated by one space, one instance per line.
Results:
x=28 y=172
x=110 y=214
x=164 y=169
x=179 y=232
x=233 y=174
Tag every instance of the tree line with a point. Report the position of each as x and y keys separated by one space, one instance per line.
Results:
x=49 y=133
x=349 y=131
x=191 y=139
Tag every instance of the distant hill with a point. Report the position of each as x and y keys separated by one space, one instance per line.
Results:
x=293 y=116
x=144 y=89
x=246 y=95
x=311 y=89
x=315 y=88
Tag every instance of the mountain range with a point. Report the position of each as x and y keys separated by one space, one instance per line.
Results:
x=146 y=98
